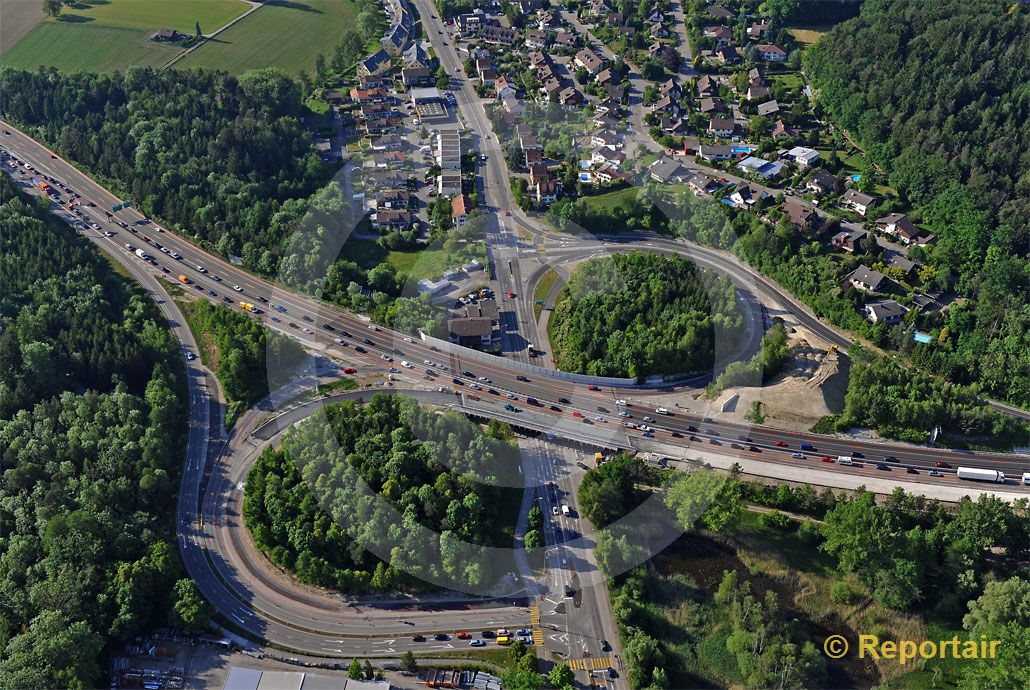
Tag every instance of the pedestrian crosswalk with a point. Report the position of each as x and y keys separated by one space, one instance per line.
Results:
x=590 y=663
x=534 y=620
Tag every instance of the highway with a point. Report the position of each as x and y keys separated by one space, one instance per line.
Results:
x=310 y=625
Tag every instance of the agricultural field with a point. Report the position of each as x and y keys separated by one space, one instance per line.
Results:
x=86 y=48
x=287 y=34
x=181 y=15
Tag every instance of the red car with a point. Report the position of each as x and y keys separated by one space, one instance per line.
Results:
x=943 y=465
x=577 y=413
x=507 y=212
x=593 y=388
x=827 y=458
x=510 y=294
x=350 y=370
x=781 y=444
x=463 y=636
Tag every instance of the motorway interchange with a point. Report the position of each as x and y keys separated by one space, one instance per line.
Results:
x=266 y=603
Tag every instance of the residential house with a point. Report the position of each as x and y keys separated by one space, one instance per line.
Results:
x=417 y=76
x=393 y=199
x=498 y=35
x=396 y=39
x=857 y=201
x=702 y=184
x=538 y=172
x=546 y=191
x=627 y=31
x=605 y=137
x=448 y=183
x=604 y=77
x=615 y=19
x=657 y=50
x=375 y=65
x=570 y=97
x=761 y=167
x=368 y=95
x=721 y=34
x=756 y=92
x=534 y=157
x=849 y=240
x=659 y=31
x=469 y=24
x=488 y=76
x=536 y=39
x=460 y=208
x=712 y=105
x=803 y=156
x=503 y=88
x=674 y=125
x=714 y=153
x=757 y=30
x=719 y=12
x=669 y=88
x=607 y=155
x=565 y=39
x=666 y=106
x=706 y=86
x=771 y=53
x=727 y=55
x=722 y=126
x=900 y=225
x=475 y=331
x=822 y=182
x=782 y=130
x=754 y=77
x=588 y=60
x=667 y=171
x=748 y=196
x=391 y=219
x=656 y=16
x=768 y=108
x=798 y=214
x=512 y=106
x=885 y=311
x=865 y=278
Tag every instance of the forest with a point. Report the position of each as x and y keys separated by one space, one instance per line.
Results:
x=92 y=412
x=387 y=496
x=935 y=93
x=641 y=314
x=251 y=360
x=903 y=563
x=222 y=158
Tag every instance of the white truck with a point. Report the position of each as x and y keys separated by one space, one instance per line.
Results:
x=142 y=254
x=981 y=475
x=565 y=510
x=845 y=460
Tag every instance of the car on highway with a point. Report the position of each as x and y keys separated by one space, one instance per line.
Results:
x=522 y=378
x=484 y=379
x=935 y=473
x=798 y=456
x=212 y=293
x=911 y=470
x=328 y=326
x=418 y=638
x=577 y=413
x=308 y=330
x=215 y=278
x=648 y=419
x=826 y=458
x=881 y=466
x=564 y=401
x=200 y=269
x=237 y=288
x=781 y=444
x=441 y=637
x=477 y=643
x=350 y=370
x=555 y=408
x=605 y=646
x=190 y=356
x=463 y=635
x=293 y=325
x=939 y=463
x=510 y=407
x=593 y=388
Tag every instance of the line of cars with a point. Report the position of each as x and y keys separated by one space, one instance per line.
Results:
x=501 y=636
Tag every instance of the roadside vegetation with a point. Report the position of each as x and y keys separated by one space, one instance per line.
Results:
x=249 y=360
x=641 y=314
x=387 y=477
x=92 y=429
x=764 y=573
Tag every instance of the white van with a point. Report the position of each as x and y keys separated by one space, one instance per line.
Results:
x=661 y=410
x=1026 y=479
x=565 y=510
x=844 y=460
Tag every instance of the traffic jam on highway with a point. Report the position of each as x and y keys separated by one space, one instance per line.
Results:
x=373 y=356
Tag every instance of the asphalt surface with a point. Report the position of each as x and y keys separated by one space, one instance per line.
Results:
x=306 y=623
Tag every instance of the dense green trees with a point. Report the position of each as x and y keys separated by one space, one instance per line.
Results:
x=641 y=314
x=251 y=358
x=932 y=93
x=223 y=158
x=609 y=492
x=91 y=434
x=385 y=481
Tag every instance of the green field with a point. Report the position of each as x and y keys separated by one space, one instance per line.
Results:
x=423 y=263
x=611 y=199
x=151 y=15
x=86 y=48
x=288 y=34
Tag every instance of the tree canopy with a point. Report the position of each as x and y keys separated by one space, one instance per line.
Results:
x=92 y=410
x=641 y=314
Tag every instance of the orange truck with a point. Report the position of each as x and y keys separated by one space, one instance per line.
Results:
x=183 y=279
